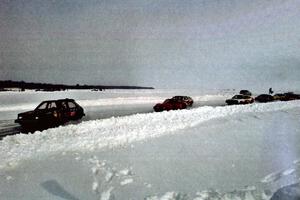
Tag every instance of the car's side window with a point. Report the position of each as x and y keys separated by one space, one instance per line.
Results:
x=52 y=105
x=71 y=104
x=64 y=105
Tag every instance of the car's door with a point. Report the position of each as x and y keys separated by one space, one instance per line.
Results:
x=64 y=109
x=44 y=112
x=52 y=110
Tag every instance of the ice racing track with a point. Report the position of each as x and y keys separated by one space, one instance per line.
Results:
x=8 y=127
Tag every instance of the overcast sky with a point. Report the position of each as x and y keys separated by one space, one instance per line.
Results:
x=165 y=44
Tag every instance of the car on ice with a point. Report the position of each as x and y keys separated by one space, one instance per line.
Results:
x=289 y=96
x=246 y=92
x=240 y=99
x=188 y=100
x=51 y=113
x=279 y=97
x=170 y=104
x=264 y=98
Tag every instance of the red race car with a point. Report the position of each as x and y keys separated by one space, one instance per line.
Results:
x=187 y=100
x=170 y=104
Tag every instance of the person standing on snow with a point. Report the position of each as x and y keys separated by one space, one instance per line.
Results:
x=271 y=91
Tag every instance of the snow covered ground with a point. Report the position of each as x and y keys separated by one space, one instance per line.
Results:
x=208 y=152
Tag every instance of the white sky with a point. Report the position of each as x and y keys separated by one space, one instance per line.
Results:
x=165 y=44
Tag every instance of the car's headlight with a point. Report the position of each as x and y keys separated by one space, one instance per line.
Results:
x=36 y=117
x=20 y=117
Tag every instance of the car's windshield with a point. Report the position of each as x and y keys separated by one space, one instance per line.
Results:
x=42 y=106
x=239 y=97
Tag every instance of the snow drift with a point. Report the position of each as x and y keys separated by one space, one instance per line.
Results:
x=115 y=132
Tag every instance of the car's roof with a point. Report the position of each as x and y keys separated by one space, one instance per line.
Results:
x=173 y=100
x=59 y=100
x=180 y=97
x=242 y=95
x=264 y=95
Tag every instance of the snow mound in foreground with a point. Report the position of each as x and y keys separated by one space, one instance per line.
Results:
x=115 y=132
x=249 y=193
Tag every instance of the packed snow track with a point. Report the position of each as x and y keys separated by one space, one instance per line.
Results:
x=96 y=106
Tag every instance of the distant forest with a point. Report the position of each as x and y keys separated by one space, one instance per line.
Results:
x=21 y=85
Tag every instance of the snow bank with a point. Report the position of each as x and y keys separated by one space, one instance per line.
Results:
x=248 y=193
x=115 y=132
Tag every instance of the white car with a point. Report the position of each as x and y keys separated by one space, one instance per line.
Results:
x=240 y=99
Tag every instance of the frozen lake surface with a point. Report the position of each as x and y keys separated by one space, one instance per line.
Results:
x=207 y=152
